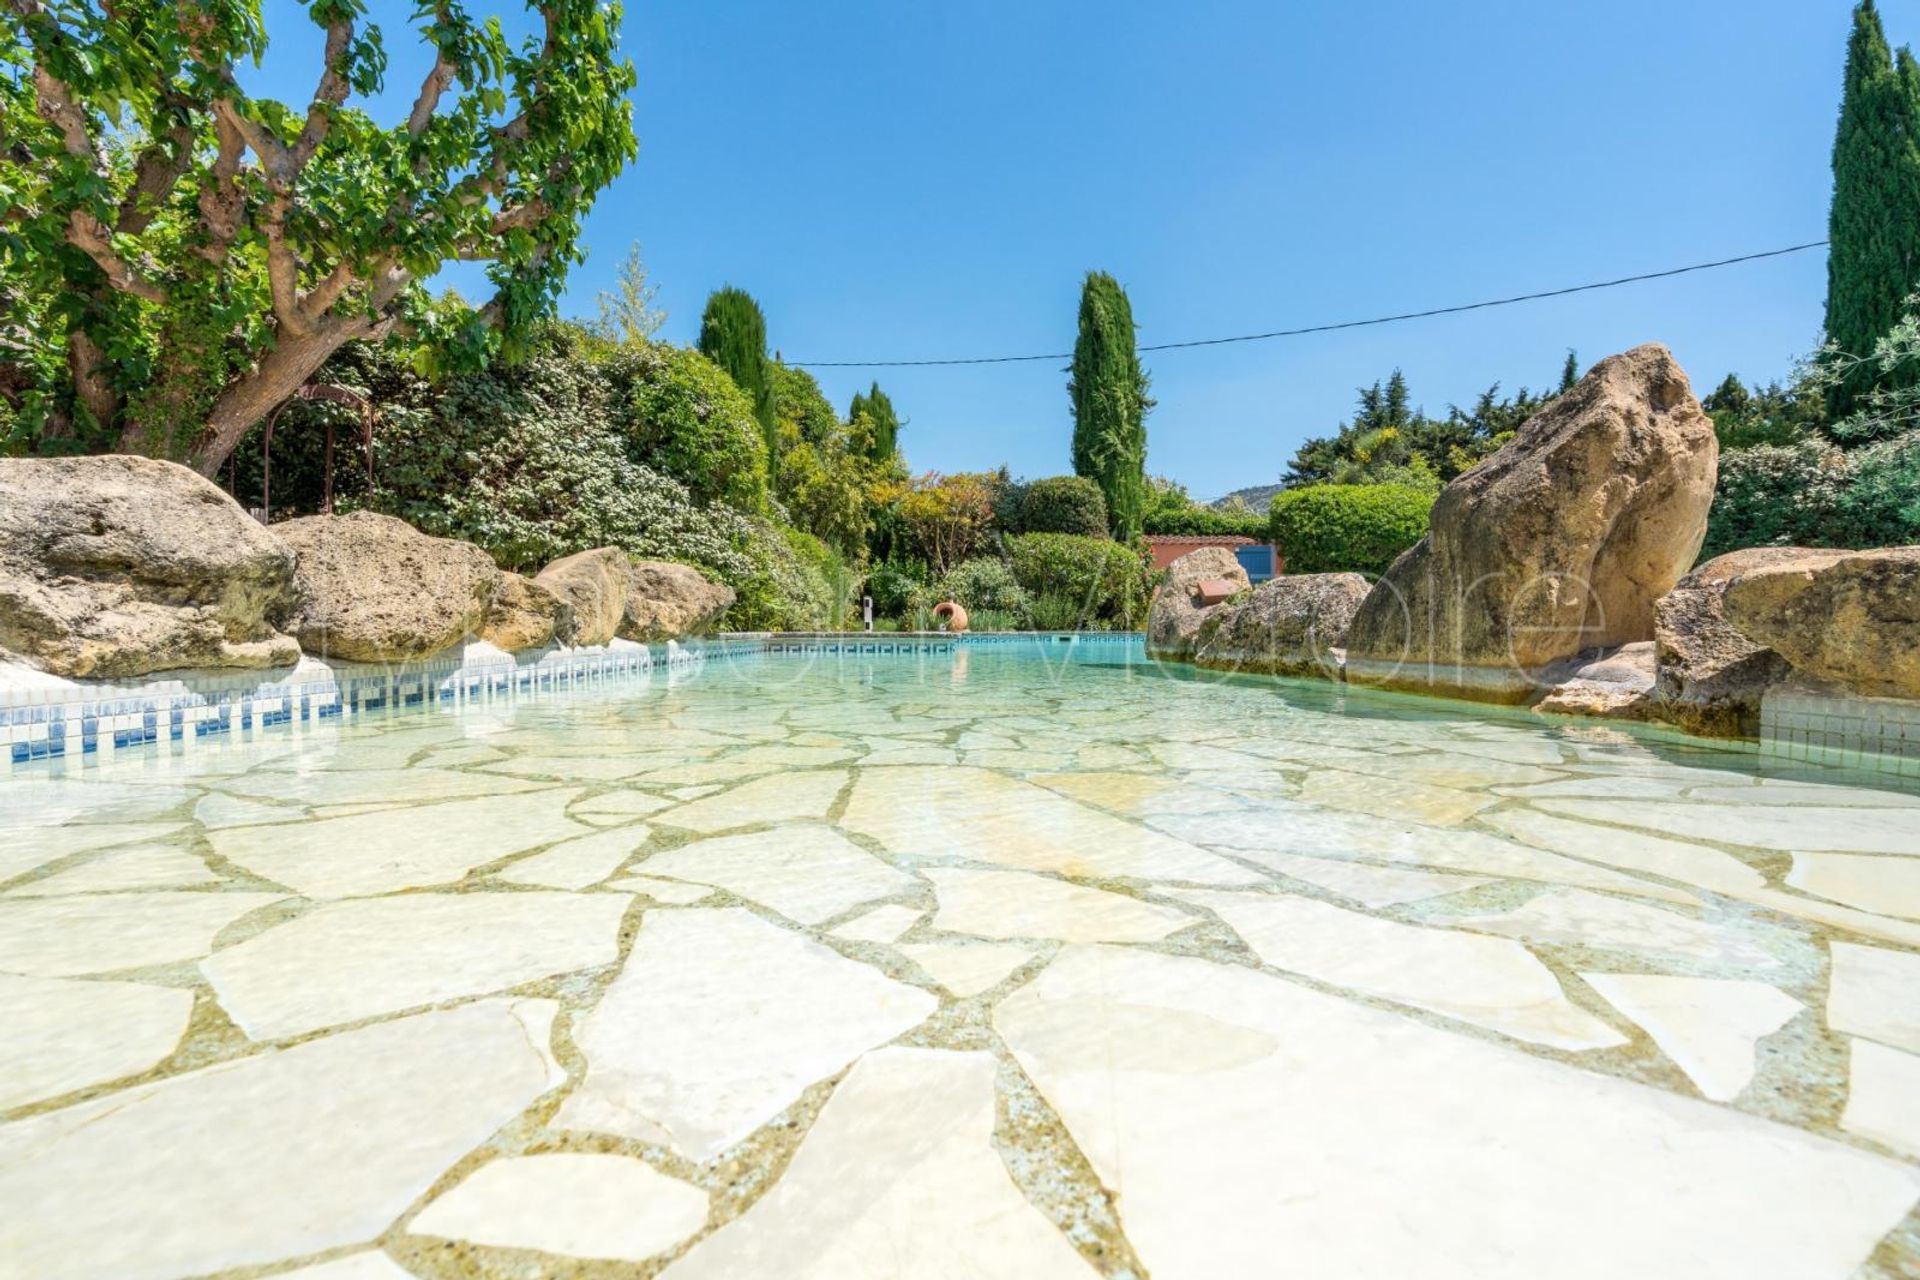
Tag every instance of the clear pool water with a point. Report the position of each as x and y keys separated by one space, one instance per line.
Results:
x=1024 y=960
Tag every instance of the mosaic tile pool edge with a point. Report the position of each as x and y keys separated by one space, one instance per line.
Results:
x=64 y=722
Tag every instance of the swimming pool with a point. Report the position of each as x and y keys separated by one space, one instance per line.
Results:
x=1011 y=958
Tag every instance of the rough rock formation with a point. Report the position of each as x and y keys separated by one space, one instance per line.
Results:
x=1288 y=626
x=1712 y=675
x=120 y=566
x=375 y=589
x=1615 y=685
x=1559 y=543
x=595 y=585
x=526 y=615
x=1173 y=626
x=666 y=601
x=1851 y=617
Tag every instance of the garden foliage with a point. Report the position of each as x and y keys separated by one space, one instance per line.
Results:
x=1055 y=504
x=1104 y=581
x=1360 y=528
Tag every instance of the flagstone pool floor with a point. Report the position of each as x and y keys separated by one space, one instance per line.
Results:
x=985 y=964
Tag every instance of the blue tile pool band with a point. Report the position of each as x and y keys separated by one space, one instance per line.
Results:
x=72 y=725
x=64 y=723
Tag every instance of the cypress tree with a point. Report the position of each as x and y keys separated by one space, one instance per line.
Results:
x=733 y=334
x=886 y=423
x=1108 y=389
x=1873 y=263
x=1570 y=371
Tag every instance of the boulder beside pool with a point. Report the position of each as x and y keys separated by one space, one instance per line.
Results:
x=666 y=601
x=1851 y=618
x=594 y=585
x=1712 y=676
x=526 y=615
x=1559 y=543
x=113 y=567
x=1288 y=626
x=1173 y=626
x=375 y=589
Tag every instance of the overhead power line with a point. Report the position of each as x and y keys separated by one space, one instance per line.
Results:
x=1345 y=324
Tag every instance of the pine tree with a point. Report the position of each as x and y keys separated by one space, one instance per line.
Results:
x=886 y=423
x=1570 y=371
x=1399 y=405
x=1108 y=389
x=1873 y=263
x=733 y=334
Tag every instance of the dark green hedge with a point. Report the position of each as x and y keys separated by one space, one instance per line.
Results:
x=1337 y=528
x=1054 y=504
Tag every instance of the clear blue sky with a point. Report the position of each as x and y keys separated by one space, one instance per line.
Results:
x=913 y=180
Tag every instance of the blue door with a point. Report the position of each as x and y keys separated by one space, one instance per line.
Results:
x=1257 y=561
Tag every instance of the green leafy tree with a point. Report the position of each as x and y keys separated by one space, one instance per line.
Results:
x=1108 y=389
x=1873 y=263
x=187 y=254
x=886 y=424
x=733 y=334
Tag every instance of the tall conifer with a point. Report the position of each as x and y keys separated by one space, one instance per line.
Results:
x=733 y=334
x=1873 y=263
x=1108 y=389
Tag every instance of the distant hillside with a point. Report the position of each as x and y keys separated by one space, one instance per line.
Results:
x=1255 y=498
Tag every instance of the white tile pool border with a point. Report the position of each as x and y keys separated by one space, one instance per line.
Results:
x=70 y=723
x=67 y=722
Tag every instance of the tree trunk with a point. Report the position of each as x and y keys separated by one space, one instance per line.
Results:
x=244 y=403
x=87 y=365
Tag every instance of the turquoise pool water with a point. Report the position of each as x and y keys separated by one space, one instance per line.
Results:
x=1024 y=959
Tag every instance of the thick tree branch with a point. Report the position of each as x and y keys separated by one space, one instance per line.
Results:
x=315 y=302
x=64 y=114
x=329 y=94
x=283 y=268
x=223 y=199
x=154 y=177
x=429 y=97
x=93 y=238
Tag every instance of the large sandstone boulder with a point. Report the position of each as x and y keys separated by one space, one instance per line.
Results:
x=1288 y=626
x=525 y=615
x=1173 y=625
x=119 y=566
x=1851 y=617
x=594 y=584
x=376 y=589
x=1561 y=542
x=1712 y=675
x=667 y=601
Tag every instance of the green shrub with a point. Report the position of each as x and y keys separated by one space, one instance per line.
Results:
x=1207 y=522
x=1882 y=507
x=1056 y=611
x=1778 y=496
x=1107 y=581
x=682 y=415
x=892 y=584
x=1055 y=504
x=1336 y=528
x=986 y=586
